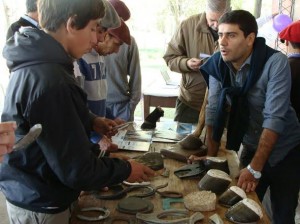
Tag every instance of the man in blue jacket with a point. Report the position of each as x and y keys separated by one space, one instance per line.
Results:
x=42 y=180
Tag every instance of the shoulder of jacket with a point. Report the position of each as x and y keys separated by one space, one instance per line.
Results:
x=192 y=19
x=198 y=21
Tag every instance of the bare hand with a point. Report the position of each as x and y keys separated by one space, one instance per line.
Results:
x=139 y=172
x=104 y=126
x=194 y=64
x=7 y=137
x=119 y=121
x=247 y=181
x=107 y=145
x=194 y=158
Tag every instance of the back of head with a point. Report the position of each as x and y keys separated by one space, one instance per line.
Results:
x=54 y=13
x=218 y=6
x=31 y=6
x=244 y=19
x=121 y=9
x=292 y=34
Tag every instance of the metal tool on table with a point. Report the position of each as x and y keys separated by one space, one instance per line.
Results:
x=170 y=194
x=167 y=202
x=102 y=153
x=104 y=213
x=122 y=126
x=164 y=194
x=191 y=170
x=30 y=137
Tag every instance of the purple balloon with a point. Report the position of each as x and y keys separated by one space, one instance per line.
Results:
x=281 y=21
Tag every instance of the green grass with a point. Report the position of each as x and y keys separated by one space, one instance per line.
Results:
x=152 y=59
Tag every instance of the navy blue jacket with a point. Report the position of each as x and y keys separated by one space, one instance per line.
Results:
x=49 y=174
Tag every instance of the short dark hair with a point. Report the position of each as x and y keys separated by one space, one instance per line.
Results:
x=244 y=19
x=295 y=45
x=31 y=5
x=54 y=13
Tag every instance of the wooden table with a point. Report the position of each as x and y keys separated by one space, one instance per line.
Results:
x=159 y=95
x=185 y=186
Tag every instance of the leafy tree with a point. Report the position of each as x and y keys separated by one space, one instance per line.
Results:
x=175 y=11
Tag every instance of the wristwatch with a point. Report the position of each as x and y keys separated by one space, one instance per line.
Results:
x=255 y=173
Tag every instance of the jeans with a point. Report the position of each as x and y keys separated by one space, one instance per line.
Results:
x=284 y=182
x=185 y=128
x=121 y=110
x=19 y=215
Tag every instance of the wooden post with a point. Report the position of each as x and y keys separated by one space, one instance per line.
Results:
x=201 y=119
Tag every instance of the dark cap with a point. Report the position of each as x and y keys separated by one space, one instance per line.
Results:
x=122 y=33
x=111 y=18
x=121 y=9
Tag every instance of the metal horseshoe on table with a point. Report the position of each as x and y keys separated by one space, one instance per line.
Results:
x=151 y=191
x=178 y=216
x=104 y=213
x=191 y=170
x=123 y=191
x=170 y=194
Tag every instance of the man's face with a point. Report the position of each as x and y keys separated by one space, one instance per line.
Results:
x=212 y=19
x=100 y=33
x=82 y=41
x=234 y=46
x=110 y=45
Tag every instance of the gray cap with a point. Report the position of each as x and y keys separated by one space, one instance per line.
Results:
x=111 y=19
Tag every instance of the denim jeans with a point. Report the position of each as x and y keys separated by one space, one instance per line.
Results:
x=121 y=110
x=185 y=128
x=19 y=215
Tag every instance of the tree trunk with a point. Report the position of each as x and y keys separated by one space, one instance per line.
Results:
x=5 y=12
x=257 y=8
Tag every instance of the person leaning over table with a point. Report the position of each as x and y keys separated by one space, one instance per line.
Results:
x=7 y=138
x=123 y=74
x=195 y=35
x=111 y=33
x=113 y=39
x=42 y=180
x=253 y=82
